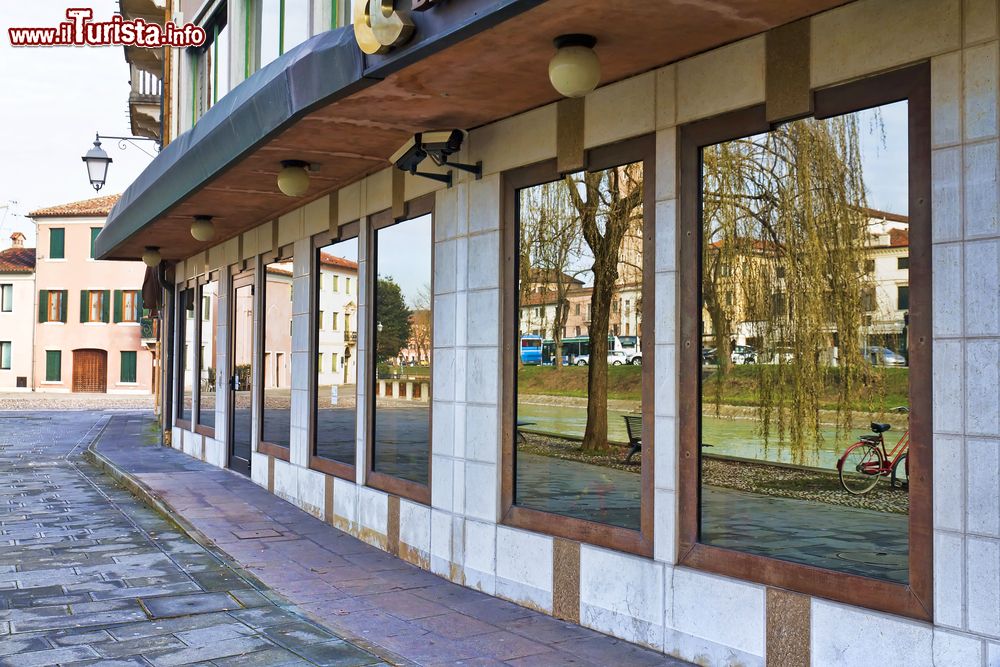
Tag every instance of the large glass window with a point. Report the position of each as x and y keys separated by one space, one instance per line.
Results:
x=402 y=342
x=5 y=355
x=811 y=381
x=6 y=298
x=185 y=348
x=578 y=417
x=798 y=368
x=337 y=381
x=284 y=24
x=210 y=65
x=208 y=349
x=277 y=369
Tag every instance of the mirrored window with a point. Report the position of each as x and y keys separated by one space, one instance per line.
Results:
x=207 y=353
x=337 y=352
x=276 y=371
x=185 y=345
x=403 y=341
x=579 y=372
x=805 y=391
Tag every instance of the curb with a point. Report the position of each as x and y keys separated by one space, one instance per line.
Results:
x=146 y=495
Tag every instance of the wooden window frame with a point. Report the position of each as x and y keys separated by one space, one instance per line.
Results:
x=345 y=232
x=283 y=254
x=135 y=295
x=57 y=298
x=180 y=341
x=7 y=305
x=914 y=599
x=639 y=149
x=200 y=283
x=378 y=480
x=10 y=355
x=95 y=299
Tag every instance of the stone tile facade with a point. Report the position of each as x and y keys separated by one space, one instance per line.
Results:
x=684 y=612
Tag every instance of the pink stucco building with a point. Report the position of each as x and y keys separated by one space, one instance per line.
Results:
x=88 y=313
x=17 y=289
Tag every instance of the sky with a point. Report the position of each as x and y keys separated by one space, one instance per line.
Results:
x=884 y=157
x=52 y=102
x=404 y=254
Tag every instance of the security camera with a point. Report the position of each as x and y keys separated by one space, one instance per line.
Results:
x=439 y=146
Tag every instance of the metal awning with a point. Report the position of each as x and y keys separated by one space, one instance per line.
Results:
x=325 y=67
x=470 y=63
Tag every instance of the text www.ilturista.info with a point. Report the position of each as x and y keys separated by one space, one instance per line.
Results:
x=80 y=30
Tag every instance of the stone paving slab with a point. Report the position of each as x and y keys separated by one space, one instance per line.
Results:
x=351 y=588
x=91 y=576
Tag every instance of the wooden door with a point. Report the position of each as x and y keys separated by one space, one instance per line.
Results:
x=90 y=371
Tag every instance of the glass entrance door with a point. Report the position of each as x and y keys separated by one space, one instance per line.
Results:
x=241 y=380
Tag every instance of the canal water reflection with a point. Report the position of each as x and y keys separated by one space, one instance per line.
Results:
x=728 y=437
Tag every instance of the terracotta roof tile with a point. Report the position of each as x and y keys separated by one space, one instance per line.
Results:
x=331 y=260
x=17 y=260
x=97 y=207
x=899 y=238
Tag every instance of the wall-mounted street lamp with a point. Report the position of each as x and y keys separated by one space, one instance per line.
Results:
x=97 y=159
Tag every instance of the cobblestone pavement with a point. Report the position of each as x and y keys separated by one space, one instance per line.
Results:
x=32 y=401
x=354 y=589
x=88 y=575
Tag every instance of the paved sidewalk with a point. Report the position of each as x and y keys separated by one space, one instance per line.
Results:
x=89 y=575
x=357 y=591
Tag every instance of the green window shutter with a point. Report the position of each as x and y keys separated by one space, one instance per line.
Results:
x=128 y=372
x=57 y=243
x=118 y=306
x=84 y=305
x=43 y=305
x=94 y=231
x=53 y=365
x=106 y=306
x=62 y=305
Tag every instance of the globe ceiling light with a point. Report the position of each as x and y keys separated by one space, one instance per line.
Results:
x=97 y=162
x=203 y=229
x=575 y=70
x=151 y=256
x=293 y=179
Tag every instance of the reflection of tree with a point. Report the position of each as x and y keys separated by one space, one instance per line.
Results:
x=420 y=323
x=550 y=238
x=607 y=203
x=784 y=238
x=393 y=316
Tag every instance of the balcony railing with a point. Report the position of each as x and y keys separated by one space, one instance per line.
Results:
x=145 y=84
x=149 y=328
x=350 y=336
